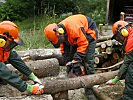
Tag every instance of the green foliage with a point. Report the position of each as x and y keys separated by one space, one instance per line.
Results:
x=16 y=10
x=95 y=9
x=20 y=9
x=59 y=6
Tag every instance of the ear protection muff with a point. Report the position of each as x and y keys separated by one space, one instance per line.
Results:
x=124 y=32
x=2 y=42
x=60 y=31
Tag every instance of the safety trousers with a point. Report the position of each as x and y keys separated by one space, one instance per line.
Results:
x=128 y=91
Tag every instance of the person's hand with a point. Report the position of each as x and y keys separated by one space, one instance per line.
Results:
x=34 y=78
x=37 y=89
x=75 y=68
x=112 y=81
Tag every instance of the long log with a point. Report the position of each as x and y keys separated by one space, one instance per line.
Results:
x=41 y=68
x=40 y=54
x=55 y=86
x=100 y=95
x=104 y=38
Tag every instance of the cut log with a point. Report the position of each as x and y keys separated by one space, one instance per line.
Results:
x=100 y=95
x=109 y=50
x=103 y=45
x=104 y=38
x=115 y=55
x=41 y=68
x=40 y=54
x=109 y=43
x=99 y=61
x=56 y=86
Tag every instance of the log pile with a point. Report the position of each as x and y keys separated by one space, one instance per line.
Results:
x=45 y=62
x=109 y=54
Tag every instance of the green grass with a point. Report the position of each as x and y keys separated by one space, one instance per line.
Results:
x=31 y=31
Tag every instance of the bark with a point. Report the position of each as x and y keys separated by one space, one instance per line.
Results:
x=41 y=68
x=56 y=86
x=40 y=54
x=103 y=38
x=100 y=95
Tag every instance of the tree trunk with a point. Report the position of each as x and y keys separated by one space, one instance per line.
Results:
x=40 y=54
x=58 y=85
x=41 y=68
x=103 y=38
x=100 y=95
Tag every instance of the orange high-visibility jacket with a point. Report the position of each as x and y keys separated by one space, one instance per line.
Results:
x=129 y=44
x=76 y=36
x=3 y=55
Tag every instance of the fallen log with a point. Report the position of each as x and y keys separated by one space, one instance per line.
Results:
x=40 y=54
x=58 y=85
x=100 y=95
x=55 y=85
x=41 y=68
x=104 y=38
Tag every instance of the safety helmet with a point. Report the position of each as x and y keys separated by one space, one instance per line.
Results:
x=50 y=33
x=10 y=30
x=119 y=26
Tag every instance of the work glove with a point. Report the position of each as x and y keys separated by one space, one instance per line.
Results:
x=75 y=67
x=35 y=89
x=112 y=81
x=34 y=78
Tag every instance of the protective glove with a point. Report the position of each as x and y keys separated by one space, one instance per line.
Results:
x=34 y=78
x=75 y=67
x=69 y=66
x=35 y=89
x=112 y=81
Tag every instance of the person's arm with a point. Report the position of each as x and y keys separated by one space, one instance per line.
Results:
x=15 y=60
x=65 y=50
x=123 y=69
x=82 y=44
x=127 y=61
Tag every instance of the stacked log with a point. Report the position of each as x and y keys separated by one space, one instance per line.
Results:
x=108 y=53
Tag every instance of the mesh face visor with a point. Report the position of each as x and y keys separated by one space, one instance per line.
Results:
x=10 y=45
x=118 y=36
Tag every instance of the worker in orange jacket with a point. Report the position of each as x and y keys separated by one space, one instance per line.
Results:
x=8 y=40
x=123 y=32
x=76 y=36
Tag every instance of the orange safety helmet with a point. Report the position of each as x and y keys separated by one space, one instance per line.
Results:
x=50 y=33
x=118 y=25
x=12 y=29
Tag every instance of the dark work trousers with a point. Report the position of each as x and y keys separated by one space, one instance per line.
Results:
x=89 y=60
x=11 y=77
x=128 y=91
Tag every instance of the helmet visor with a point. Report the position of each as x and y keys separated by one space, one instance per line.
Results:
x=118 y=37
x=9 y=45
